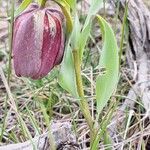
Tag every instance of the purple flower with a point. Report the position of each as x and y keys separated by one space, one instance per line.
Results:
x=38 y=41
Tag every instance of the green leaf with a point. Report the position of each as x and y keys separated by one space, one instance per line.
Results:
x=66 y=10
x=84 y=35
x=22 y=7
x=106 y=83
x=66 y=77
x=72 y=3
x=76 y=33
x=78 y=40
x=95 y=6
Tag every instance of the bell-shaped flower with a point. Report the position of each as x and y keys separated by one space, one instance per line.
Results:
x=38 y=41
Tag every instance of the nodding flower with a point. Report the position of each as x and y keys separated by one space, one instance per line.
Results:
x=38 y=40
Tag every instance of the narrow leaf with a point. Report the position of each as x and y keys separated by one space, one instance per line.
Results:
x=66 y=77
x=76 y=33
x=72 y=3
x=84 y=35
x=22 y=7
x=96 y=5
x=66 y=10
x=106 y=83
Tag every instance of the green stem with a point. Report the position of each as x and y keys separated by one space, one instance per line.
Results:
x=42 y=3
x=10 y=41
x=116 y=16
x=50 y=135
x=9 y=65
x=83 y=102
x=123 y=30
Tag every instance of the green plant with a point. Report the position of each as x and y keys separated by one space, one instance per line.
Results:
x=71 y=65
x=70 y=76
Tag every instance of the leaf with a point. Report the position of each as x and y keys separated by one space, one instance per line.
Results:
x=66 y=10
x=95 y=6
x=72 y=3
x=66 y=77
x=78 y=40
x=106 y=83
x=22 y=7
x=76 y=33
x=84 y=35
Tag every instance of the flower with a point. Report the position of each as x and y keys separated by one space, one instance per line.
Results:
x=38 y=40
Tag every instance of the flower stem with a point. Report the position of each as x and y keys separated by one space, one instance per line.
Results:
x=42 y=3
x=122 y=32
x=10 y=40
x=83 y=102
